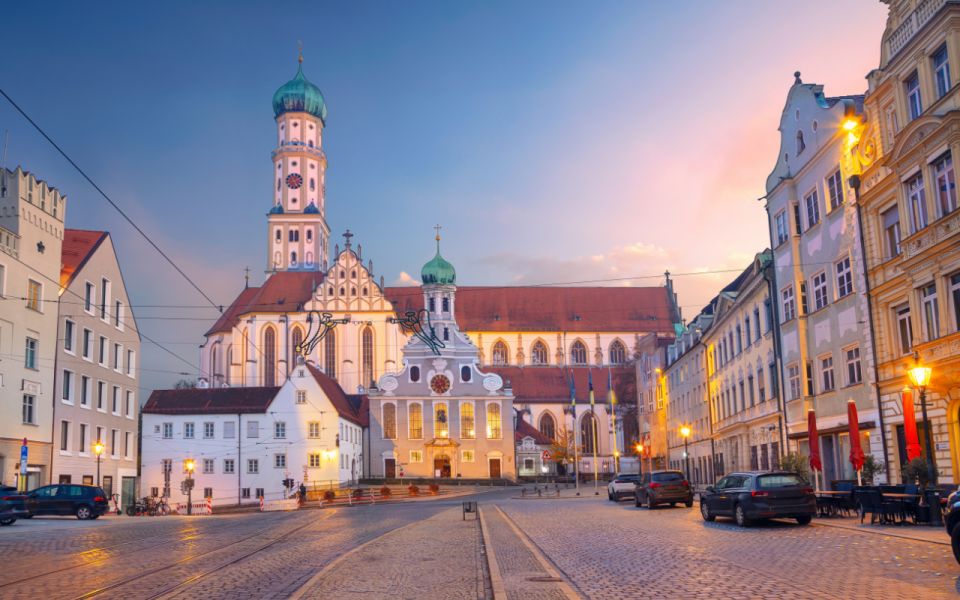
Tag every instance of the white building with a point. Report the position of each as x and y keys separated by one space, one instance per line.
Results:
x=97 y=376
x=246 y=441
x=31 y=233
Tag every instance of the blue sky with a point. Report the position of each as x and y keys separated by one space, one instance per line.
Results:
x=555 y=141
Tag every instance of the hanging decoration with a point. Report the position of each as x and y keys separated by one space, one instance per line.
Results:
x=319 y=325
x=418 y=323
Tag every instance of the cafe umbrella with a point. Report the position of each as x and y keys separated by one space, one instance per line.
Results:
x=814 y=441
x=856 y=451
x=910 y=425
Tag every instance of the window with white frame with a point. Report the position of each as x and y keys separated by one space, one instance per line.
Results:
x=917 y=203
x=279 y=430
x=467 y=456
x=129 y=403
x=208 y=466
x=313 y=429
x=313 y=460
x=820 y=290
x=167 y=431
x=88 y=297
x=34 y=295
x=208 y=430
x=280 y=461
x=103 y=351
x=804 y=304
x=116 y=357
x=904 y=328
x=912 y=88
x=228 y=465
x=827 y=380
x=253 y=465
x=67 y=391
x=29 y=412
x=955 y=297
x=229 y=430
x=941 y=71
x=854 y=370
x=844 y=278
x=31 y=347
x=812 y=204
x=64 y=436
x=188 y=430
x=416 y=456
x=115 y=400
x=87 y=343
x=301 y=396
x=931 y=312
x=253 y=429
x=891 y=231
x=127 y=436
x=945 y=180
x=415 y=418
x=835 y=189
x=131 y=357
x=789 y=303
x=85 y=391
x=793 y=376
x=783 y=227
x=69 y=335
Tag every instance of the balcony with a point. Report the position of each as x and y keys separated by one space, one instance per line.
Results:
x=913 y=24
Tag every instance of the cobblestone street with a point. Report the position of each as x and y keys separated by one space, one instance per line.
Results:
x=540 y=548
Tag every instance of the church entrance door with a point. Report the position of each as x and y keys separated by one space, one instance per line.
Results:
x=390 y=468
x=494 y=468
x=441 y=466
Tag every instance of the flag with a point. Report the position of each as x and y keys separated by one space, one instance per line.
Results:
x=610 y=393
x=573 y=396
x=590 y=385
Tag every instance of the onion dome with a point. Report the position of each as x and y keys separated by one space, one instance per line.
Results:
x=299 y=95
x=276 y=209
x=311 y=209
x=438 y=271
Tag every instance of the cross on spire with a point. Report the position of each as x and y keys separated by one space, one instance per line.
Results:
x=437 y=228
x=346 y=236
x=299 y=51
x=246 y=277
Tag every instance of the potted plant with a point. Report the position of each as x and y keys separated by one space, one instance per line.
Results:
x=385 y=492
x=434 y=488
x=917 y=470
x=413 y=490
x=357 y=493
x=329 y=495
x=871 y=468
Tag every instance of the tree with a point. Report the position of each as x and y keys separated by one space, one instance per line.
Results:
x=184 y=384
x=562 y=449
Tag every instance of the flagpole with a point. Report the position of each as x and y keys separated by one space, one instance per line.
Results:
x=573 y=416
x=613 y=422
x=594 y=426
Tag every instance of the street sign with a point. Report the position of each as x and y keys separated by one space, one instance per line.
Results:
x=546 y=455
x=24 y=451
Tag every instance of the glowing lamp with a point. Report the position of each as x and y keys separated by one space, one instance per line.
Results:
x=190 y=465
x=98 y=448
x=850 y=124
x=685 y=431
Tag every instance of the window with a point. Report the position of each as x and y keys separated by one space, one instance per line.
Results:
x=941 y=71
x=445 y=305
x=103 y=351
x=29 y=409
x=835 y=189
x=844 y=278
x=116 y=357
x=761 y=390
x=812 y=204
x=826 y=374
x=253 y=429
x=800 y=145
x=330 y=354
x=588 y=433
x=67 y=394
x=500 y=354
x=269 y=357
x=188 y=430
x=64 y=436
x=228 y=466
x=854 y=372
x=279 y=430
x=301 y=396
x=167 y=431
x=441 y=426
x=467 y=422
x=904 y=328
x=796 y=218
x=494 y=424
x=279 y=461
x=115 y=401
x=820 y=290
x=104 y=297
x=548 y=425
x=750 y=392
x=416 y=456
x=85 y=390
x=367 y=356
x=891 y=231
x=129 y=404
x=746 y=329
x=34 y=294
x=793 y=376
x=101 y=393
x=208 y=430
x=946 y=182
x=756 y=321
x=618 y=353
x=88 y=298
x=68 y=335
x=917 y=203
x=314 y=460
x=414 y=373
x=578 y=353
x=208 y=466
x=253 y=465
x=126 y=444
x=30 y=354
x=809 y=378
x=416 y=421
x=466 y=373
x=789 y=303
x=931 y=312
x=313 y=429
x=87 y=343
x=117 y=310
x=245 y=492
x=782 y=226
x=912 y=88
x=739 y=339
x=83 y=439
x=955 y=294
x=467 y=456
x=229 y=430
x=389 y=421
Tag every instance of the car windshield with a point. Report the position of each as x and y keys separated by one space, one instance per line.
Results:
x=628 y=477
x=766 y=482
x=668 y=477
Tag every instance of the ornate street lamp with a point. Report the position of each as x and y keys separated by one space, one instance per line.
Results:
x=190 y=466
x=920 y=378
x=98 y=448
x=685 y=434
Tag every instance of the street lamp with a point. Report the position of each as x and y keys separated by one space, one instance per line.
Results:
x=685 y=434
x=189 y=465
x=98 y=450
x=639 y=448
x=920 y=378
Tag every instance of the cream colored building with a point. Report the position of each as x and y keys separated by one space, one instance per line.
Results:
x=31 y=233
x=908 y=203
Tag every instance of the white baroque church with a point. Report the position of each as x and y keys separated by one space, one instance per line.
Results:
x=534 y=339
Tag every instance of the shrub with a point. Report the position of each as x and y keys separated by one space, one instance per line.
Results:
x=796 y=463
x=871 y=468
x=329 y=495
x=385 y=492
x=413 y=490
x=357 y=493
x=434 y=488
x=917 y=470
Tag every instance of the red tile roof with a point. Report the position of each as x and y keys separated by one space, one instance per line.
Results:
x=78 y=246
x=552 y=384
x=352 y=407
x=645 y=309
x=285 y=291
x=525 y=429
x=210 y=401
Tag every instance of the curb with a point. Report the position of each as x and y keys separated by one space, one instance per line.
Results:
x=562 y=580
x=884 y=533
x=496 y=581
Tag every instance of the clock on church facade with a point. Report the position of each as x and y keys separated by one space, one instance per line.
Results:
x=294 y=181
x=439 y=384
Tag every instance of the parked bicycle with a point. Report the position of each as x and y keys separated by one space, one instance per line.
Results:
x=150 y=507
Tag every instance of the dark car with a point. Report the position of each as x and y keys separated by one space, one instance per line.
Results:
x=84 y=501
x=952 y=522
x=663 y=487
x=759 y=495
x=11 y=505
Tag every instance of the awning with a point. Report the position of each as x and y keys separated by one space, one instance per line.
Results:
x=798 y=435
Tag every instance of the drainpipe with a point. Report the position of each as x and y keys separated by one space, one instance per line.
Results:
x=855 y=184
x=770 y=275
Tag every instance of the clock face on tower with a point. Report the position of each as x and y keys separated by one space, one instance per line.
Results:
x=439 y=384
x=294 y=181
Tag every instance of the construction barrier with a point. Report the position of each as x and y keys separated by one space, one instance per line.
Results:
x=271 y=505
x=202 y=507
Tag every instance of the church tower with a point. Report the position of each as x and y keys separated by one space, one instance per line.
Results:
x=439 y=294
x=297 y=229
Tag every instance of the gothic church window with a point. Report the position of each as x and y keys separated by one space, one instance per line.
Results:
x=548 y=426
x=588 y=433
x=269 y=357
x=330 y=354
x=389 y=421
x=538 y=355
x=618 y=354
x=500 y=354
x=578 y=353
x=367 y=356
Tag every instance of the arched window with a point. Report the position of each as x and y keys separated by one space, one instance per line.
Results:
x=309 y=258
x=441 y=418
x=494 y=422
x=416 y=422
x=330 y=353
x=226 y=370
x=548 y=426
x=618 y=354
x=296 y=339
x=269 y=357
x=467 y=427
x=214 y=366
x=538 y=355
x=366 y=339
x=293 y=258
x=294 y=235
x=309 y=235
x=432 y=304
x=446 y=305
x=313 y=184
x=389 y=421
x=500 y=354
x=578 y=353
x=466 y=373
x=589 y=435
x=279 y=235
x=414 y=374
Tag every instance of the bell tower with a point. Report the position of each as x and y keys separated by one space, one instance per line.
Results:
x=297 y=230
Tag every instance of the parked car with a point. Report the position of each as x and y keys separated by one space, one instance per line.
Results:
x=952 y=522
x=622 y=485
x=11 y=505
x=663 y=487
x=84 y=501
x=759 y=495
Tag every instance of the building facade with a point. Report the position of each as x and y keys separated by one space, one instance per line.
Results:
x=31 y=233
x=908 y=208
x=97 y=376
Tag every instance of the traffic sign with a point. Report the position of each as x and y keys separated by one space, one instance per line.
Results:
x=546 y=455
x=24 y=452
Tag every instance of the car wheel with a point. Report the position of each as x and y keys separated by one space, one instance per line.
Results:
x=609 y=496
x=92 y=517
x=650 y=503
x=689 y=503
x=955 y=543
x=673 y=505
x=805 y=520
x=131 y=511
x=83 y=512
x=30 y=516
x=705 y=512
x=8 y=521
x=740 y=516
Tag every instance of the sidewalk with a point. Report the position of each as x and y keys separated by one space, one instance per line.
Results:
x=918 y=533
x=549 y=491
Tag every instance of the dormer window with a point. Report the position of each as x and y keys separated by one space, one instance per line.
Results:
x=800 y=145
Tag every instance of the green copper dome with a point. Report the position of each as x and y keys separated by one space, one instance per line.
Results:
x=299 y=95
x=438 y=271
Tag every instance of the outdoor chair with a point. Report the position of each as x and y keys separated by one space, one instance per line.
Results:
x=871 y=501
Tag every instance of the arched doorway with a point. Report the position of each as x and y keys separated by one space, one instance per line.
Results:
x=441 y=465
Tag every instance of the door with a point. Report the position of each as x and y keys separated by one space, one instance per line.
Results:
x=441 y=466
x=494 y=468
x=128 y=491
x=41 y=500
x=107 y=485
x=390 y=468
x=722 y=501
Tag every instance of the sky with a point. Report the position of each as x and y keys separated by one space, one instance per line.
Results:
x=555 y=141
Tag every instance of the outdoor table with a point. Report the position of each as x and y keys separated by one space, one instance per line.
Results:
x=826 y=505
x=908 y=502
